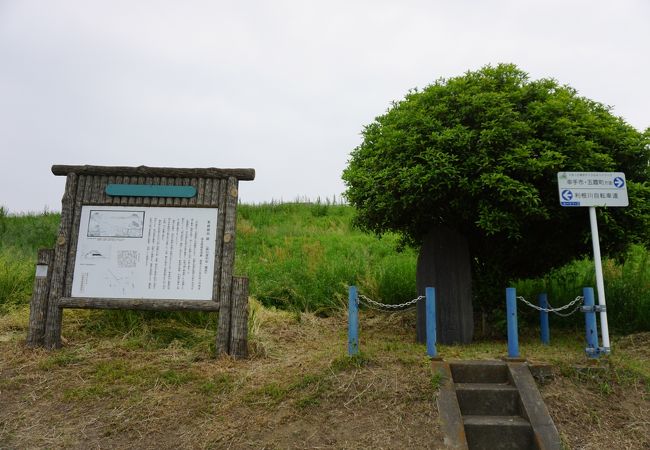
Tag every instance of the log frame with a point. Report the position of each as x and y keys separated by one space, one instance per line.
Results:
x=85 y=186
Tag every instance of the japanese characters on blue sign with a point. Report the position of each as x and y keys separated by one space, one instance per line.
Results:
x=592 y=188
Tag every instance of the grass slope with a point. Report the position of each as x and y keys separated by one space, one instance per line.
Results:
x=302 y=257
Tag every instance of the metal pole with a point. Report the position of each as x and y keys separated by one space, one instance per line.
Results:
x=511 y=312
x=545 y=331
x=600 y=284
x=431 y=321
x=353 y=321
x=591 y=328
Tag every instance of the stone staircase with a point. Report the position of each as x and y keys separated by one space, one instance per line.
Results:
x=493 y=405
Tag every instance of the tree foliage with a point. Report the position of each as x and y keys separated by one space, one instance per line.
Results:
x=480 y=153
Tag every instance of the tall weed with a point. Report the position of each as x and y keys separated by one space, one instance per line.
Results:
x=16 y=279
x=303 y=256
x=627 y=290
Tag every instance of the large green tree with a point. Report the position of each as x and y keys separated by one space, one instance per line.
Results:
x=467 y=169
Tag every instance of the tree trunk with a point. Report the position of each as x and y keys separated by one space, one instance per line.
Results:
x=444 y=263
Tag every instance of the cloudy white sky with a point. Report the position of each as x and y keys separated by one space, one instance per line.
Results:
x=284 y=87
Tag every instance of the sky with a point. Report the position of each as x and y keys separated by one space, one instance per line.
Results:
x=284 y=87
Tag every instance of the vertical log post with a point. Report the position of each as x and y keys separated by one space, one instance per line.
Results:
x=38 y=305
x=54 y=311
x=239 y=318
x=228 y=254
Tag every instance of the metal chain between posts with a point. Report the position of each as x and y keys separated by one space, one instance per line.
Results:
x=386 y=307
x=556 y=311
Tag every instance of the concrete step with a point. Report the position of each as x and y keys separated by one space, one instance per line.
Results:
x=493 y=405
x=479 y=371
x=498 y=433
x=488 y=399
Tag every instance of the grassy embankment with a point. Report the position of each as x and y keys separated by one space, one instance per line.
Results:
x=302 y=257
x=126 y=379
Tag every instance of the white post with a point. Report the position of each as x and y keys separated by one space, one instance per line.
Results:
x=600 y=284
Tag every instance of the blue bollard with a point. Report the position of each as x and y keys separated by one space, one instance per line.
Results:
x=545 y=331
x=430 y=294
x=591 y=328
x=353 y=322
x=511 y=312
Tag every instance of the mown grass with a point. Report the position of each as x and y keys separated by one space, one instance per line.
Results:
x=133 y=387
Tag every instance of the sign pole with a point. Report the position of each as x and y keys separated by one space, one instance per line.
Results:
x=600 y=284
x=594 y=189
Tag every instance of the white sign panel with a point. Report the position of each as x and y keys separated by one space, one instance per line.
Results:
x=592 y=188
x=141 y=252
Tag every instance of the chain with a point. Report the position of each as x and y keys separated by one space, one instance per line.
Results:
x=556 y=310
x=567 y=314
x=385 y=307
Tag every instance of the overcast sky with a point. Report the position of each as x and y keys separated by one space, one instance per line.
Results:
x=284 y=87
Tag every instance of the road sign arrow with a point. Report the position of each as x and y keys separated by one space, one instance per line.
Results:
x=567 y=195
x=619 y=182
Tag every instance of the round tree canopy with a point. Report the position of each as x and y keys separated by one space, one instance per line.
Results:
x=480 y=154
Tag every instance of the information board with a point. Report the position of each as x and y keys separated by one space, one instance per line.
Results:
x=145 y=252
x=592 y=188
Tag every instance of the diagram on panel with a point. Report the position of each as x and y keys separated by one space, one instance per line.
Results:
x=112 y=223
x=123 y=282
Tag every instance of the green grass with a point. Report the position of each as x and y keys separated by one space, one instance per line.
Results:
x=627 y=291
x=20 y=238
x=302 y=257
x=305 y=256
x=16 y=278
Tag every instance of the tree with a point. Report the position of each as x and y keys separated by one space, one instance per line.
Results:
x=467 y=170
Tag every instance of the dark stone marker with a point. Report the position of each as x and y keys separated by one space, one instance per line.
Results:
x=444 y=263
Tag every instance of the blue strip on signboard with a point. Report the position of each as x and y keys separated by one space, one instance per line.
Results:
x=150 y=190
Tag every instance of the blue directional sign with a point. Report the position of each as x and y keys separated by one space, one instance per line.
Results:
x=592 y=188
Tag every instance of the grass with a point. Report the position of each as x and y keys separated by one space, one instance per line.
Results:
x=136 y=379
x=302 y=257
x=141 y=387
x=305 y=256
x=20 y=238
x=627 y=291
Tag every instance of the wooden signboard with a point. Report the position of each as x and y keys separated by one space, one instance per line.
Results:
x=147 y=238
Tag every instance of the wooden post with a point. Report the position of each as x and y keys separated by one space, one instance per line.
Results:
x=239 y=318
x=227 y=258
x=38 y=306
x=54 y=311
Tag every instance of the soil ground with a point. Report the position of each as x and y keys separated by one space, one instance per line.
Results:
x=298 y=389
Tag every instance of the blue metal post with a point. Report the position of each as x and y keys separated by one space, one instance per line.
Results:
x=353 y=322
x=431 y=321
x=545 y=331
x=590 y=323
x=511 y=311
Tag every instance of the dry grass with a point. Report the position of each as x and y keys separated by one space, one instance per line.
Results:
x=298 y=390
